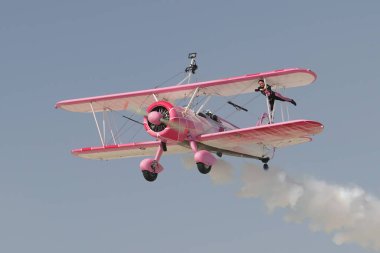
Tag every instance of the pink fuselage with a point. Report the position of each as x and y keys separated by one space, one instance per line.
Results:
x=184 y=124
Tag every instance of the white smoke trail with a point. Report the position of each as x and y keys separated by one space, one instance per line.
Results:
x=349 y=213
x=221 y=172
x=188 y=161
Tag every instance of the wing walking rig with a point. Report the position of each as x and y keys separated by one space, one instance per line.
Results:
x=179 y=129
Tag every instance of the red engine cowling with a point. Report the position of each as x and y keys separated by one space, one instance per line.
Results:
x=164 y=121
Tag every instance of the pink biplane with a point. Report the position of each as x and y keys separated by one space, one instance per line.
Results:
x=179 y=129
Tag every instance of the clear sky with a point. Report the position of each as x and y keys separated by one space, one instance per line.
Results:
x=56 y=50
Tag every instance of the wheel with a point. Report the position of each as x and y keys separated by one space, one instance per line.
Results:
x=149 y=176
x=204 y=169
x=265 y=166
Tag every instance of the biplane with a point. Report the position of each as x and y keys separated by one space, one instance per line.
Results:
x=180 y=129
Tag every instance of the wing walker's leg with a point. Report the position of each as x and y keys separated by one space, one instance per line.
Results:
x=268 y=105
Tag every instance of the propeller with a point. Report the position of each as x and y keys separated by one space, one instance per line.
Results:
x=158 y=118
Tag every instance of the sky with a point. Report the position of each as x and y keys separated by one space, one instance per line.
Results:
x=51 y=201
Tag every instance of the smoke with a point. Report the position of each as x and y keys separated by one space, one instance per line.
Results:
x=188 y=161
x=221 y=172
x=348 y=213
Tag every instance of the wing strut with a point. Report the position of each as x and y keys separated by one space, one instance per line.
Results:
x=192 y=99
x=97 y=125
x=110 y=126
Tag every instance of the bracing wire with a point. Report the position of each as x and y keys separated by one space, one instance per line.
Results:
x=122 y=129
x=174 y=76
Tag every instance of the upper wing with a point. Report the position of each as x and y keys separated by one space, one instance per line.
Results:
x=224 y=87
x=126 y=150
x=250 y=141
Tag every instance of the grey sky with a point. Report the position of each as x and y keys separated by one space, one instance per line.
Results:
x=55 y=50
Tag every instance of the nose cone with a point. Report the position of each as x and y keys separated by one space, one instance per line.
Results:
x=155 y=117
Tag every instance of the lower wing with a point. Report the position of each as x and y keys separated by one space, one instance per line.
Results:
x=252 y=142
x=255 y=141
x=135 y=149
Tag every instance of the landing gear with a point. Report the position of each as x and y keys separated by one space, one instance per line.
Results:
x=203 y=158
x=203 y=168
x=150 y=168
x=265 y=161
x=149 y=176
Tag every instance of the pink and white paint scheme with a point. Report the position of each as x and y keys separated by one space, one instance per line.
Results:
x=179 y=129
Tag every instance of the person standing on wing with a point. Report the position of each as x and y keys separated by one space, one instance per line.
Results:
x=272 y=96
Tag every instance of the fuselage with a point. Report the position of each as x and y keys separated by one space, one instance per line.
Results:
x=181 y=124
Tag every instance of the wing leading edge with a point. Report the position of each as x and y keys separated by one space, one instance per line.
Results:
x=286 y=78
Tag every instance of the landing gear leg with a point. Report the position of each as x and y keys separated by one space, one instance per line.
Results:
x=151 y=167
x=265 y=161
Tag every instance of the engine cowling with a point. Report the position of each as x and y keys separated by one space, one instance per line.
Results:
x=165 y=121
